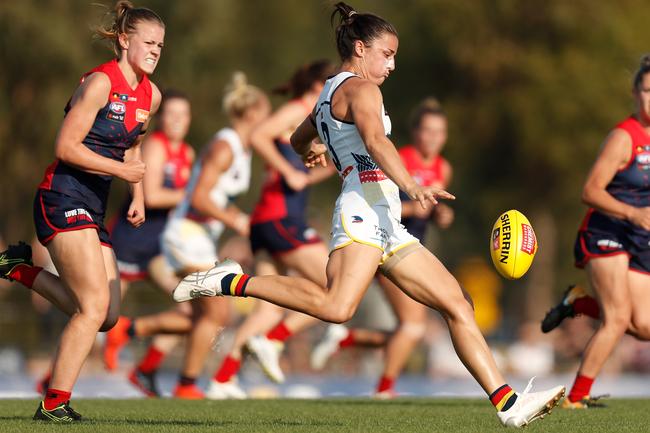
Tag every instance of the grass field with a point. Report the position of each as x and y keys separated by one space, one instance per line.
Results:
x=330 y=415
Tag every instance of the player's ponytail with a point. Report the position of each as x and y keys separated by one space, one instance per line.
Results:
x=305 y=77
x=354 y=26
x=240 y=96
x=428 y=106
x=644 y=68
x=123 y=20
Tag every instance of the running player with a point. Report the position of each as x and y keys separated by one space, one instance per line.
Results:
x=613 y=243
x=279 y=227
x=169 y=160
x=99 y=138
x=190 y=238
x=350 y=119
x=425 y=164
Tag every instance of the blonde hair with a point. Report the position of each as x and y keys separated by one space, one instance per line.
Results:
x=240 y=96
x=124 y=19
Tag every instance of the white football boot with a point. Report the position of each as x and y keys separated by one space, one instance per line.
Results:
x=268 y=354
x=205 y=283
x=225 y=390
x=531 y=406
x=328 y=346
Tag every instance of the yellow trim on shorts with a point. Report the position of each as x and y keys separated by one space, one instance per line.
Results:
x=345 y=229
x=405 y=244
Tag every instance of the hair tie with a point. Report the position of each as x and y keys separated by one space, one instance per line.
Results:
x=351 y=13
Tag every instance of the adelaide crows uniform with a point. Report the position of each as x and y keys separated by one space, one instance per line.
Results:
x=601 y=235
x=279 y=220
x=190 y=239
x=136 y=246
x=72 y=199
x=368 y=210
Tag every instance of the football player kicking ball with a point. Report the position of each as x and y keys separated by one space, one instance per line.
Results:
x=350 y=119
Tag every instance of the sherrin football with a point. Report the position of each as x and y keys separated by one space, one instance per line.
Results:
x=513 y=244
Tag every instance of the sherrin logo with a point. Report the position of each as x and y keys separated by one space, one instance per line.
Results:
x=513 y=244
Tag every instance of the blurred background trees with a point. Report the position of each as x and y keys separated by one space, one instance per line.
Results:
x=531 y=89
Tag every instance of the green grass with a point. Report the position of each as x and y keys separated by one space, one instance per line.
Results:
x=330 y=415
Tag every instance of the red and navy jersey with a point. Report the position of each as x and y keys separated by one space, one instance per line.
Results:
x=278 y=200
x=115 y=129
x=631 y=184
x=425 y=174
x=178 y=165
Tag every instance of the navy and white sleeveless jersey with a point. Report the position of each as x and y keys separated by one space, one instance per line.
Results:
x=115 y=129
x=359 y=171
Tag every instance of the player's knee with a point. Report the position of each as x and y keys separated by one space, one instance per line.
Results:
x=338 y=313
x=617 y=321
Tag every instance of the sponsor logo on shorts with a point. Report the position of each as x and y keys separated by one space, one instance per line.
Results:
x=116 y=112
x=608 y=245
x=496 y=239
x=528 y=240
x=381 y=235
x=141 y=115
x=356 y=219
x=77 y=215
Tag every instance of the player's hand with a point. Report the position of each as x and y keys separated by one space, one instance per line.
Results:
x=135 y=215
x=239 y=222
x=315 y=155
x=132 y=171
x=428 y=195
x=442 y=215
x=641 y=217
x=297 y=180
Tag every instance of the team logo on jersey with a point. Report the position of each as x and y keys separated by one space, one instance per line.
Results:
x=76 y=215
x=116 y=112
x=643 y=158
x=357 y=219
x=141 y=115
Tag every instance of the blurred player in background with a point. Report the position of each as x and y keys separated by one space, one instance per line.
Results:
x=169 y=161
x=613 y=244
x=424 y=163
x=99 y=138
x=351 y=121
x=192 y=233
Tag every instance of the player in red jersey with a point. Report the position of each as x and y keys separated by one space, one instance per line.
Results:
x=169 y=161
x=424 y=163
x=99 y=138
x=613 y=244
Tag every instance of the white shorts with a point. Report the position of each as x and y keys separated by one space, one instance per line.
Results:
x=188 y=244
x=355 y=220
